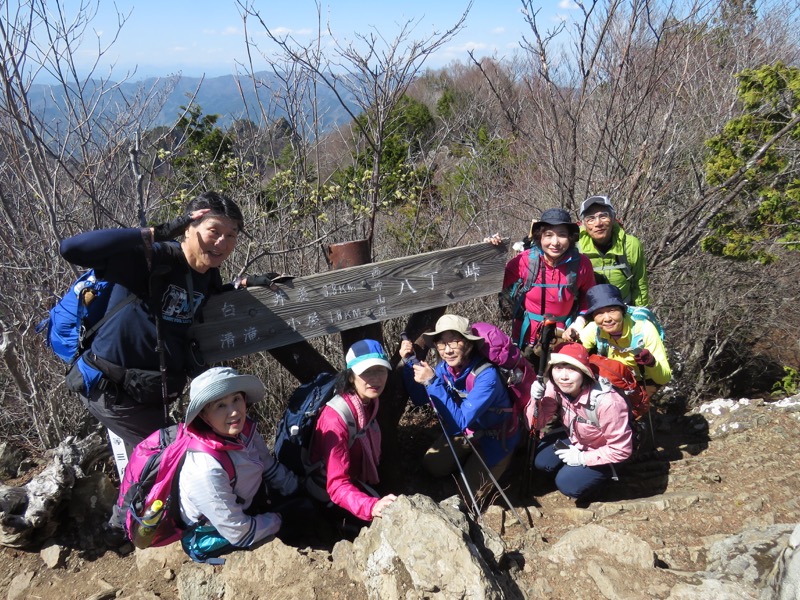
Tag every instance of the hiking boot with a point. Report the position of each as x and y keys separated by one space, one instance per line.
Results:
x=116 y=539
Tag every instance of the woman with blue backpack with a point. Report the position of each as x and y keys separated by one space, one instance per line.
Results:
x=472 y=401
x=631 y=336
x=159 y=286
x=345 y=448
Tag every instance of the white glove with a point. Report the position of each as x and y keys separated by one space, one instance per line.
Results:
x=571 y=456
x=537 y=390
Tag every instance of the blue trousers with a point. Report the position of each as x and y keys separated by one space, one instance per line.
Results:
x=576 y=482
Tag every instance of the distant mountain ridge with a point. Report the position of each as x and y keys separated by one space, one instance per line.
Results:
x=230 y=96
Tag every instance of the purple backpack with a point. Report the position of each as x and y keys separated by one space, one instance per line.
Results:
x=517 y=372
x=151 y=476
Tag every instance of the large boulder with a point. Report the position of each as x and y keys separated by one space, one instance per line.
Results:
x=419 y=549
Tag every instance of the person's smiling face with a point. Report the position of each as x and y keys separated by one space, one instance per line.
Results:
x=371 y=382
x=210 y=242
x=453 y=348
x=226 y=416
x=609 y=319
x=554 y=241
x=599 y=224
x=567 y=378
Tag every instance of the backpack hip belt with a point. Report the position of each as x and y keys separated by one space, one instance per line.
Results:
x=112 y=372
x=131 y=380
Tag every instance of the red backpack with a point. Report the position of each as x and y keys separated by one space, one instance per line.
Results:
x=518 y=374
x=623 y=378
x=148 y=494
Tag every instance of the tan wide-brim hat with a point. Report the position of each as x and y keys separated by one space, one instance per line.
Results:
x=455 y=323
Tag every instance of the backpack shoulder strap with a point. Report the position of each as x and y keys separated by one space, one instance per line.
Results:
x=601 y=343
x=482 y=365
x=120 y=305
x=534 y=259
x=623 y=261
x=221 y=456
x=339 y=404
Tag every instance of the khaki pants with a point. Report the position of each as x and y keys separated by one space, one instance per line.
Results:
x=439 y=462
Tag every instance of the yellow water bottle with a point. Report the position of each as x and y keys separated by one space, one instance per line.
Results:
x=148 y=526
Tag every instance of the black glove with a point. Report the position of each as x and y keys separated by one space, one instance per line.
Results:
x=644 y=357
x=264 y=280
x=171 y=230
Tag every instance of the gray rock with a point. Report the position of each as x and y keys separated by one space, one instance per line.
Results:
x=274 y=569
x=435 y=558
x=749 y=556
x=149 y=560
x=199 y=582
x=711 y=589
x=19 y=585
x=591 y=540
x=10 y=460
x=785 y=576
x=54 y=555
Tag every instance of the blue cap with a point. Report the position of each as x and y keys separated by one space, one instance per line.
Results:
x=365 y=354
x=600 y=296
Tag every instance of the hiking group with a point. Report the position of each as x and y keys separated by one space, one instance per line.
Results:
x=570 y=383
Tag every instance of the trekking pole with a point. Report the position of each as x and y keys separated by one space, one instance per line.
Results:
x=546 y=338
x=158 y=272
x=413 y=360
x=495 y=482
x=472 y=498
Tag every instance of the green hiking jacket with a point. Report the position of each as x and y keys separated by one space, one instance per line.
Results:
x=612 y=265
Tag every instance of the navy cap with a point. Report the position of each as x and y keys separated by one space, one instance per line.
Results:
x=603 y=295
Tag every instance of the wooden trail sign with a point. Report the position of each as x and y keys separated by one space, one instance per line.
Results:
x=242 y=322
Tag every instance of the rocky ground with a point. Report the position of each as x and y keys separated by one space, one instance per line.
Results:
x=727 y=468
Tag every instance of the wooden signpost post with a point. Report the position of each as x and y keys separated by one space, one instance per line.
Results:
x=242 y=322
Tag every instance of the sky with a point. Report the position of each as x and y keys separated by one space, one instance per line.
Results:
x=207 y=38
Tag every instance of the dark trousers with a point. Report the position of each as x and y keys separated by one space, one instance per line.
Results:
x=576 y=482
x=130 y=419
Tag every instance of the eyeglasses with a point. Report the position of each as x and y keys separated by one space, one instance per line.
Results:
x=600 y=216
x=453 y=344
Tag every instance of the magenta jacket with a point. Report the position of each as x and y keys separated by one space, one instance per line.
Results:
x=559 y=298
x=607 y=443
x=341 y=465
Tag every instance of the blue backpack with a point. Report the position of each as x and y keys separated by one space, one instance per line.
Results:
x=637 y=313
x=73 y=321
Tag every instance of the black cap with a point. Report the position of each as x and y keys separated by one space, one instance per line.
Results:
x=555 y=216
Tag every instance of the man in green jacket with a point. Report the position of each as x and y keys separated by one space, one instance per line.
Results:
x=617 y=257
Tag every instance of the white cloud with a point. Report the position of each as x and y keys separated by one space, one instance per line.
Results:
x=499 y=30
x=230 y=31
x=467 y=46
x=282 y=31
x=567 y=5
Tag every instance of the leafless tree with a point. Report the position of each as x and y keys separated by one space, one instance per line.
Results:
x=371 y=73
x=621 y=99
x=65 y=168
